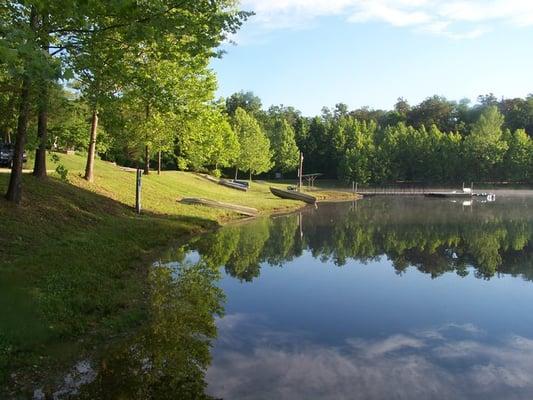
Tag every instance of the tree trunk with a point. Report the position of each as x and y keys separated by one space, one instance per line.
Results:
x=146 y=149
x=89 y=167
x=39 y=168
x=236 y=172
x=146 y=160
x=14 y=190
x=250 y=176
x=6 y=129
x=159 y=162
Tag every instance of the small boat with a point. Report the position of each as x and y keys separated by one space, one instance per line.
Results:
x=243 y=183
x=293 y=195
x=233 y=185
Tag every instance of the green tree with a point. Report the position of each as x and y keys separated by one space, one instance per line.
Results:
x=255 y=154
x=518 y=159
x=20 y=52
x=357 y=159
x=207 y=140
x=485 y=147
x=248 y=101
x=283 y=142
x=123 y=38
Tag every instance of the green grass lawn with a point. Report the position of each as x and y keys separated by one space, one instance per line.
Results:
x=74 y=255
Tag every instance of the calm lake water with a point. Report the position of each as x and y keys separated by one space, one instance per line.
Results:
x=384 y=298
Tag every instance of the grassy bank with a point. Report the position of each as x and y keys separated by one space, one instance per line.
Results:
x=73 y=255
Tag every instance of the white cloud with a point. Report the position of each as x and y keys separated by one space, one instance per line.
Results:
x=391 y=13
x=458 y=19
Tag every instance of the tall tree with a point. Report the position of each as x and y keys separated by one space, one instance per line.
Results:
x=255 y=154
x=435 y=110
x=284 y=148
x=178 y=89
x=518 y=159
x=168 y=29
x=485 y=146
x=20 y=50
x=248 y=101
x=207 y=140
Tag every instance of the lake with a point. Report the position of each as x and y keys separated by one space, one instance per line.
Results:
x=383 y=298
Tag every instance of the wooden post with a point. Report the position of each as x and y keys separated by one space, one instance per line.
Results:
x=300 y=171
x=138 y=191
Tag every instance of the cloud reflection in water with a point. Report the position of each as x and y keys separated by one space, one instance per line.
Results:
x=452 y=361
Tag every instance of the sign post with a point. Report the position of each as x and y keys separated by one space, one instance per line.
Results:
x=138 y=191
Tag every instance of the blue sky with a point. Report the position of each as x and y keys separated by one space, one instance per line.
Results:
x=314 y=53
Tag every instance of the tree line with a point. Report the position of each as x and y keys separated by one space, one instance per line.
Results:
x=436 y=141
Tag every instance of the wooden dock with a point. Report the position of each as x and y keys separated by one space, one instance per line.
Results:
x=391 y=191
x=427 y=192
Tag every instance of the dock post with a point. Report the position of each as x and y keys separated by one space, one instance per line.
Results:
x=300 y=171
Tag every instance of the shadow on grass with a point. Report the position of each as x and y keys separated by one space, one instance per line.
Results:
x=73 y=265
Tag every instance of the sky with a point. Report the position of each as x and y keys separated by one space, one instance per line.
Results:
x=314 y=53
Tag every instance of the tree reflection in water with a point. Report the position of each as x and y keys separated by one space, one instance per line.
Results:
x=169 y=357
x=434 y=236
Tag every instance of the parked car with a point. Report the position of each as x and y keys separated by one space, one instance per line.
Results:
x=6 y=154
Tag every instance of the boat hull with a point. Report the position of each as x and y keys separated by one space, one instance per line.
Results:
x=292 y=195
x=233 y=185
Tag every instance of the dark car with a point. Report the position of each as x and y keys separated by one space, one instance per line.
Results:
x=6 y=154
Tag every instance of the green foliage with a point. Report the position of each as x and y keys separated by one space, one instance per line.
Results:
x=286 y=155
x=485 y=146
x=255 y=154
x=358 y=154
x=518 y=161
x=245 y=100
x=62 y=172
x=207 y=140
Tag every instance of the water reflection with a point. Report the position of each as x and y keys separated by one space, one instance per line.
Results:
x=451 y=361
x=168 y=356
x=434 y=236
x=340 y=302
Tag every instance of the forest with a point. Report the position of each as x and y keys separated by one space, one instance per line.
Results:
x=133 y=85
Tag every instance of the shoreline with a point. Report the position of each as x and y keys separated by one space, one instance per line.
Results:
x=76 y=256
